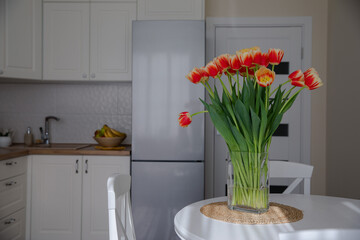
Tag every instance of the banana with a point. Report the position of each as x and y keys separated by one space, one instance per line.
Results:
x=117 y=133
x=108 y=133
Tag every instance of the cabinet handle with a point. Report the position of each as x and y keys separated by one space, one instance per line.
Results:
x=93 y=75
x=10 y=163
x=9 y=221
x=84 y=75
x=77 y=166
x=86 y=166
x=8 y=184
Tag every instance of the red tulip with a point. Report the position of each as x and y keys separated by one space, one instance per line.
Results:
x=194 y=76
x=256 y=54
x=297 y=78
x=245 y=57
x=231 y=71
x=264 y=76
x=212 y=69
x=222 y=62
x=234 y=62
x=184 y=119
x=242 y=72
x=264 y=60
x=275 y=56
x=312 y=79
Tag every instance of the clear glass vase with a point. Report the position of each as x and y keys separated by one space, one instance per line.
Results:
x=248 y=181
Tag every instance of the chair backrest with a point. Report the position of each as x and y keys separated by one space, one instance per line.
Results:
x=323 y=234
x=120 y=217
x=299 y=171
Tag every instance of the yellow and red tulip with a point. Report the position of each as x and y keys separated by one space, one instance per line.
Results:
x=212 y=69
x=256 y=54
x=275 y=56
x=297 y=78
x=245 y=57
x=264 y=76
x=234 y=62
x=222 y=62
x=184 y=119
x=312 y=79
x=195 y=75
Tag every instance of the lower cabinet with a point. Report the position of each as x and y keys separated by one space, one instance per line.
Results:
x=69 y=195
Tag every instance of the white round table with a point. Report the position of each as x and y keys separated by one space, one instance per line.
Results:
x=320 y=212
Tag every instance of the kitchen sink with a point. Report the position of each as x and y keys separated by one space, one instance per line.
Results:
x=72 y=146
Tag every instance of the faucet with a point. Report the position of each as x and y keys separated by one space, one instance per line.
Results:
x=47 y=133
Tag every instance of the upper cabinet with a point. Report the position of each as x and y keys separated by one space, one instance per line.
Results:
x=20 y=38
x=171 y=9
x=88 y=41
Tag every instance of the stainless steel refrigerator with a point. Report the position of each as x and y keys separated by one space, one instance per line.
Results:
x=167 y=160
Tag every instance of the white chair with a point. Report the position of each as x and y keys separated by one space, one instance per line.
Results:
x=120 y=225
x=323 y=234
x=299 y=171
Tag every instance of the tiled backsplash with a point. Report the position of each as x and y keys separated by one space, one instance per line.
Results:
x=82 y=108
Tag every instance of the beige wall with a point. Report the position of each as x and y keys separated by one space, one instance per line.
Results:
x=318 y=10
x=343 y=115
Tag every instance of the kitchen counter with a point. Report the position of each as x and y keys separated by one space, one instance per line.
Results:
x=19 y=150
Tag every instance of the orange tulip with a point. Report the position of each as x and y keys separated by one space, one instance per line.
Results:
x=184 y=119
x=222 y=62
x=245 y=57
x=264 y=76
x=234 y=62
x=275 y=56
x=312 y=79
x=297 y=78
x=212 y=69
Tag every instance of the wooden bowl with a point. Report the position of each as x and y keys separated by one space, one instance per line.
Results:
x=109 y=141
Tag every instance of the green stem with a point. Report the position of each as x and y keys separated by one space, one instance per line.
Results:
x=278 y=87
x=290 y=99
x=224 y=87
x=207 y=86
x=238 y=83
x=198 y=113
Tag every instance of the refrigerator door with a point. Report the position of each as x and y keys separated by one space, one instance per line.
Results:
x=164 y=52
x=159 y=191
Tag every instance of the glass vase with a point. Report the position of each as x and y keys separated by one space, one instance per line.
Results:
x=248 y=181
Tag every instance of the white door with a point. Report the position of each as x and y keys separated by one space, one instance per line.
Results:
x=66 y=41
x=111 y=27
x=229 y=40
x=96 y=171
x=20 y=38
x=56 y=197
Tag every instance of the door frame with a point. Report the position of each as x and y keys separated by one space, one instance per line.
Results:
x=306 y=32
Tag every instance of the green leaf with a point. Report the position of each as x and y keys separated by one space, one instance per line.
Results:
x=275 y=125
x=289 y=103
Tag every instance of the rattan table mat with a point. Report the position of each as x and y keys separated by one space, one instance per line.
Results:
x=277 y=213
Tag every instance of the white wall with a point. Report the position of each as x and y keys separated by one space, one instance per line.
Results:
x=82 y=108
x=318 y=10
x=343 y=115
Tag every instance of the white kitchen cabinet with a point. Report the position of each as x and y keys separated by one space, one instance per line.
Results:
x=171 y=9
x=88 y=41
x=66 y=41
x=20 y=39
x=110 y=40
x=13 y=198
x=97 y=169
x=69 y=196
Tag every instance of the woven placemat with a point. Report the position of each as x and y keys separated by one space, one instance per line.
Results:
x=277 y=213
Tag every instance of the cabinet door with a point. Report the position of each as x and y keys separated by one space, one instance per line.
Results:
x=20 y=38
x=96 y=171
x=56 y=197
x=171 y=9
x=111 y=27
x=66 y=41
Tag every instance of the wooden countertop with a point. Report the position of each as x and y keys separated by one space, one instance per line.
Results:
x=19 y=150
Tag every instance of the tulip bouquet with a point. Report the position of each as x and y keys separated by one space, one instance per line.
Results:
x=247 y=115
